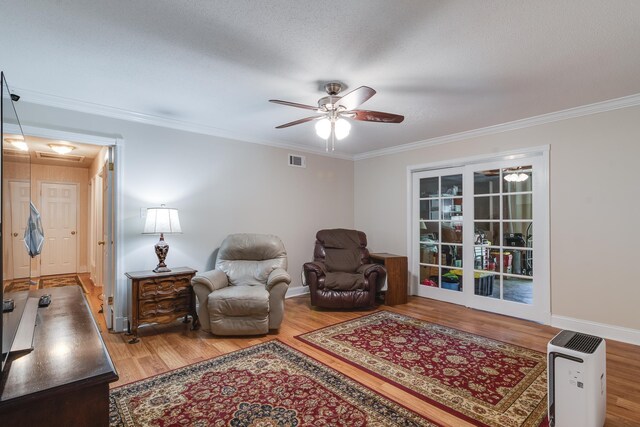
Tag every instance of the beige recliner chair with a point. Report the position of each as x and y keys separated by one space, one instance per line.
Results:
x=244 y=294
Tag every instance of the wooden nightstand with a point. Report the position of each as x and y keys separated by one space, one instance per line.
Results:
x=397 y=272
x=161 y=298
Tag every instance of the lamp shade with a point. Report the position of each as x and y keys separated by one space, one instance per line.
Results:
x=162 y=220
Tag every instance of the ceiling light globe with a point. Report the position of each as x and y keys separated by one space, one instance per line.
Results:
x=343 y=127
x=62 y=149
x=19 y=144
x=323 y=128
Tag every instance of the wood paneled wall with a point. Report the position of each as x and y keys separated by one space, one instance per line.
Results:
x=46 y=173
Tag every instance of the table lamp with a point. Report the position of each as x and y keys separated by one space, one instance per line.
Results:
x=162 y=220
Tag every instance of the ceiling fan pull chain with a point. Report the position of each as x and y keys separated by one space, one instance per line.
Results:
x=333 y=134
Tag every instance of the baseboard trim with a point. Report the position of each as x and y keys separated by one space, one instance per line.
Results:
x=297 y=291
x=618 y=333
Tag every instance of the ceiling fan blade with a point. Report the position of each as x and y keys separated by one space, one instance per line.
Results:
x=356 y=97
x=294 y=104
x=297 y=122
x=376 y=116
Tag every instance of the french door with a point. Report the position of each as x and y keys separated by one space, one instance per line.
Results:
x=473 y=232
x=438 y=196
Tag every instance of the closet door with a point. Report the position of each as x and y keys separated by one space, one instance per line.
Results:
x=59 y=214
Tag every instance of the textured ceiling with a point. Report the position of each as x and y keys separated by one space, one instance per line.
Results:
x=447 y=66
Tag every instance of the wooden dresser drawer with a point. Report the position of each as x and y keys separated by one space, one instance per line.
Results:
x=156 y=309
x=164 y=286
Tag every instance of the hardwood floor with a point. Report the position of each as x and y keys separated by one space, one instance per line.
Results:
x=165 y=347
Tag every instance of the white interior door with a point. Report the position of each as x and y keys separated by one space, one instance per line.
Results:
x=108 y=230
x=20 y=194
x=96 y=242
x=59 y=220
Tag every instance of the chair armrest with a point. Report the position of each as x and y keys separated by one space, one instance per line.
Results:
x=367 y=269
x=212 y=279
x=278 y=275
x=315 y=267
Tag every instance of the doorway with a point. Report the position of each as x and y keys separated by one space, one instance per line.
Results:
x=40 y=164
x=472 y=234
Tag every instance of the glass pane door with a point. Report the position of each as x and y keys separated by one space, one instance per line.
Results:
x=508 y=197
x=473 y=230
x=439 y=233
x=503 y=239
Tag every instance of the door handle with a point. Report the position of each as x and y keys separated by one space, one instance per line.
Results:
x=15 y=234
x=73 y=233
x=101 y=242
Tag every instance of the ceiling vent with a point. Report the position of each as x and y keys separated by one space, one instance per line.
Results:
x=11 y=153
x=297 y=161
x=53 y=156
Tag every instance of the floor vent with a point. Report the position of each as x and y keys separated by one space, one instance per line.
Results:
x=297 y=161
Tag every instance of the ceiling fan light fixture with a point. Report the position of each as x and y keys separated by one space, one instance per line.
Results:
x=342 y=129
x=323 y=128
x=62 y=149
x=334 y=109
x=516 y=177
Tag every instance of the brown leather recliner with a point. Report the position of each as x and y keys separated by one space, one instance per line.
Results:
x=341 y=275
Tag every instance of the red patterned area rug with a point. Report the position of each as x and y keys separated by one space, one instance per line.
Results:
x=269 y=384
x=484 y=381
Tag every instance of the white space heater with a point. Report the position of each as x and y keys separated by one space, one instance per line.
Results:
x=577 y=380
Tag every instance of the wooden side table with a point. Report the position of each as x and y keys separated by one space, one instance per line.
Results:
x=397 y=273
x=161 y=298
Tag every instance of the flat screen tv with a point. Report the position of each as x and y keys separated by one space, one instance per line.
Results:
x=14 y=290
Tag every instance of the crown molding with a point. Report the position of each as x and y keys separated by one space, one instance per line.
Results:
x=83 y=138
x=585 y=110
x=134 y=116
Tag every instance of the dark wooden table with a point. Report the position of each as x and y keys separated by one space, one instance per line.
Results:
x=64 y=380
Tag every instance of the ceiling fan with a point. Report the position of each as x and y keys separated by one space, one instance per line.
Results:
x=334 y=110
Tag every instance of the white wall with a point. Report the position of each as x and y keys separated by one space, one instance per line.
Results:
x=223 y=186
x=594 y=207
x=220 y=186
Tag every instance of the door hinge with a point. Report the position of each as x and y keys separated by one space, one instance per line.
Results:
x=110 y=300
x=110 y=166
